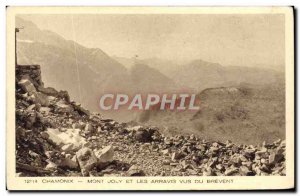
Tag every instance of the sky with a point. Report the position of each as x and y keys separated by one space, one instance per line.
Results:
x=238 y=40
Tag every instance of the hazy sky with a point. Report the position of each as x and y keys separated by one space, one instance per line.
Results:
x=243 y=40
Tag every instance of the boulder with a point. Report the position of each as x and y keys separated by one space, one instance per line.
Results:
x=105 y=155
x=69 y=163
x=64 y=95
x=244 y=171
x=231 y=171
x=67 y=147
x=63 y=107
x=86 y=159
x=276 y=157
x=143 y=135
x=70 y=136
x=48 y=91
x=41 y=99
x=51 y=166
x=27 y=85
x=249 y=153
x=135 y=171
x=80 y=109
x=178 y=156
x=208 y=171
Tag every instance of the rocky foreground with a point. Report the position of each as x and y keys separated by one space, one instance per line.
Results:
x=57 y=137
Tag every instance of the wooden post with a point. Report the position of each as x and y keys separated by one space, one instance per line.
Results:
x=17 y=30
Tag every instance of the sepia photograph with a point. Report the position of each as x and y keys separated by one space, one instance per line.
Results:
x=165 y=93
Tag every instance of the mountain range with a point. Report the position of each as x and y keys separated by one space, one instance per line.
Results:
x=88 y=73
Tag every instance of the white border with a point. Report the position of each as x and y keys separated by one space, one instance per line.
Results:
x=95 y=2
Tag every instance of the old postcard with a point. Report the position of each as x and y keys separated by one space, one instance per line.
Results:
x=150 y=98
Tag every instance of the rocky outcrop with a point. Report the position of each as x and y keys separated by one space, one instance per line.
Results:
x=57 y=137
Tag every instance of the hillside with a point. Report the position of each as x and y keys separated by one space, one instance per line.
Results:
x=247 y=114
x=200 y=75
x=166 y=67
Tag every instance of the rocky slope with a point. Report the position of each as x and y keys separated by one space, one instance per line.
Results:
x=55 y=136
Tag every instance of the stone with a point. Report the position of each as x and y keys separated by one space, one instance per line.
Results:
x=27 y=86
x=70 y=136
x=86 y=159
x=208 y=171
x=215 y=144
x=69 y=163
x=230 y=171
x=235 y=149
x=80 y=109
x=99 y=129
x=31 y=107
x=275 y=157
x=105 y=155
x=192 y=172
x=192 y=137
x=177 y=156
x=235 y=160
x=41 y=99
x=49 y=154
x=214 y=149
x=143 y=135
x=88 y=128
x=135 y=171
x=185 y=164
x=63 y=107
x=64 y=95
x=78 y=125
x=245 y=171
x=243 y=158
x=165 y=152
x=135 y=128
x=249 y=153
x=31 y=119
x=33 y=154
x=265 y=168
x=283 y=143
x=20 y=174
x=174 y=164
x=196 y=158
x=229 y=144
x=247 y=164
x=263 y=161
x=20 y=132
x=67 y=147
x=166 y=162
x=48 y=91
x=44 y=110
x=200 y=148
x=51 y=166
x=219 y=166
